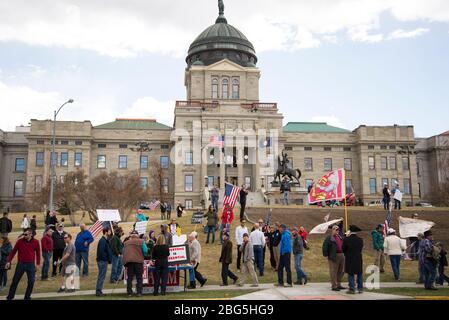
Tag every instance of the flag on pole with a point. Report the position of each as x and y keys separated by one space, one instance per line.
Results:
x=96 y=228
x=154 y=204
x=329 y=187
x=216 y=141
x=230 y=197
x=387 y=223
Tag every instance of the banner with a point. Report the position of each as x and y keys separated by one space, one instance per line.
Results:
x=197 y=217
x=398 y=195
x=178 y=241
x=411 y=227
x=179 y=255
x=141 y=227
x=329 y=187
x=109 y=215
x=322 y=228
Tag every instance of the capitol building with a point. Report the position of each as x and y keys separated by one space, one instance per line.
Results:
x=221 y=105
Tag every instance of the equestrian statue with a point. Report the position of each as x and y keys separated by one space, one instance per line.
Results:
x=283 y=170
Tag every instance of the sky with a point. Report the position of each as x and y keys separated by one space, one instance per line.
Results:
x=345 y=62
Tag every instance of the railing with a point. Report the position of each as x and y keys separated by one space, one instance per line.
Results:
x=196 y=104
x=260 y=106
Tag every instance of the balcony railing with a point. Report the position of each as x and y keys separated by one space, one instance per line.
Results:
x=196 y=104
x=260 y=106
x=212 y=105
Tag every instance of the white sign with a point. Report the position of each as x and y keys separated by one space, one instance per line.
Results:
x=398 y=195
x=322 y=228
x=141 y=227
x=109 y=215
x=177 y=241
x=411 y=227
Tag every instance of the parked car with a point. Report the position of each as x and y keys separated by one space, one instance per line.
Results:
x=144 y=206
x=424 y=205
x=375 y=203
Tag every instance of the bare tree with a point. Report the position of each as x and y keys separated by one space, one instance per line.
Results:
x=157 y=176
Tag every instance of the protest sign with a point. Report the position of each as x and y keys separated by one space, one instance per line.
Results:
x=179 y=255
x=178 y=241
x=322 y=228
x=109 y=215
x=141 y=227
x=398 y=195
x=197 y=217
x=411 y=227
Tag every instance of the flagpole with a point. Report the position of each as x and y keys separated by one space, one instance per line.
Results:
x=346 y=205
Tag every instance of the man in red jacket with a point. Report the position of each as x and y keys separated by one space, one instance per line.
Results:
x=29 y=255
x=47 y=252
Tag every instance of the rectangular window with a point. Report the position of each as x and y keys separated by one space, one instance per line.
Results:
x=101 y=162
x=349 y=187
x=38 y=183
x=164 y=185
x=101 y=145
x=372 y=186
x=189 y=204
x=384 y=182
x=347 y=149
x=164 y=146
x=308 y=148
x=40 y=142
x=20 y=165
x=384 y=163
x=309 y=182
x=327 y=148
x=383 y=147
x=78 y=143
x=144 y=162
x=188 y=183
x=248 y=182
x=392 y=163
x=405 y=164
x=328 y=164
x=78 y=159
x=64 y=159
x=348 y=164
x=371 y=163
x=54 y=159
x=123 y=146
x=164 y=162
x=210 y=181
x=418 y=169
x=39 y=159
x=189 y=158
x=122 y=162
x=392 y=147
x=144 y=183
x=370 y=147
x=64 y=142
x=308 y=164
x=407 y=186
x=18 y=188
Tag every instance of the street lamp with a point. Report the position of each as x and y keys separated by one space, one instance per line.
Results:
x=408 y=150
x=53 y=158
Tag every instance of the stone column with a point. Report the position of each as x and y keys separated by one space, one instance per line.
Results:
x=256 y=175
x=204 y=158
x=222 y=170
x=240 y=164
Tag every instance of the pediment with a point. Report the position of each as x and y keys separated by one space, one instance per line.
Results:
x=225 y=65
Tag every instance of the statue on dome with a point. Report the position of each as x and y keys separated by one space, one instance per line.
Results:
x=221 y=7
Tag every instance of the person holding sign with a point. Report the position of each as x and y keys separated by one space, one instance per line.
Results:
x=161 y=252
x=174 y=228
x=397 y=197
x=134 y=253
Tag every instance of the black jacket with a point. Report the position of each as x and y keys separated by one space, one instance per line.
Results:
x=276 y=238
x=51 y=220
x=352 y=248
x=5 y=225
x=243 y=194
x=58 y=240
x=226 y=252
x=160 y=255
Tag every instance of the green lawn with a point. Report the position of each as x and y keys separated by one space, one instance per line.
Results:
x=416 y=292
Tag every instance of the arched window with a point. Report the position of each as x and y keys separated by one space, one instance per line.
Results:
x=215 y=88
x=225 y=91
x=235 y=89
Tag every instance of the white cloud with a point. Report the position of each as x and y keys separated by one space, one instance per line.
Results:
x=19 y=104
x=128 y=28
x=401 y=34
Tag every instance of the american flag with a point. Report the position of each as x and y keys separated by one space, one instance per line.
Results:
x=387 y=223
x=216 y=141
x=230 y=195
x=96 y=228
x=154 y=204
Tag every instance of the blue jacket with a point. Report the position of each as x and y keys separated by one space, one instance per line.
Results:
x=286 y=243
x=104 y=252
x=84 y=236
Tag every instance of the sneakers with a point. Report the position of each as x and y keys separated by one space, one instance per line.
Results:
x=305 y=280
x=288 y=285
x=360 y=291
x=335 y=289
x=341 y=288
x=278 y=284
x=350 y=291
x=61 y=290
x=299 y=282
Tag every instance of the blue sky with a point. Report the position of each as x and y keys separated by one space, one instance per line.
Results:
x=376 y=62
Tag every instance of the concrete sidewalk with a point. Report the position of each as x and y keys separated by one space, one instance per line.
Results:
x=266 y=291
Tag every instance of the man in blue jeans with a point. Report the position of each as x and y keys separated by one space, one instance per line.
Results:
x=429 y=264
x=47 y=252
x=104 y=257
x=285 y=256
x=257 y=238
x=298 y=250
x=82 y=243
x=29 y=256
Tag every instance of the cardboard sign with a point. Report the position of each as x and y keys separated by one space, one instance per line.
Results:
x=109 y=215
x=179 y=255
x=398 y=195
x=141 y=227
x=179 y=241
x=197 y=217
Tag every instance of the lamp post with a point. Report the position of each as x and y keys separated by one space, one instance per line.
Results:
x=409 y=150
x=53 y=158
